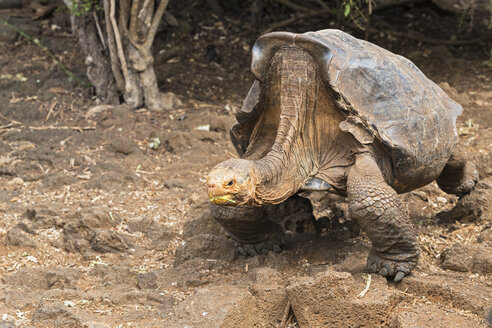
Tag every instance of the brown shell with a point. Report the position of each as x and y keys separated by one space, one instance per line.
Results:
x=384 y=96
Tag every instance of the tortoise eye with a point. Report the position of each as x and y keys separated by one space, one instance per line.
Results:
x=230 y=183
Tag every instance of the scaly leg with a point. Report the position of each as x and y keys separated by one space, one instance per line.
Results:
x=376 y=208
x=258 y=230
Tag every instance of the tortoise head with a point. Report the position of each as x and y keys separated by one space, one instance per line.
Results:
x=232 y=183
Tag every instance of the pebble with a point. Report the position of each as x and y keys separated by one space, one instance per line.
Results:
x=441 y=200
x=15 y=181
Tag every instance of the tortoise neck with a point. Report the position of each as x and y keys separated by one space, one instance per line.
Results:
x=290 y=161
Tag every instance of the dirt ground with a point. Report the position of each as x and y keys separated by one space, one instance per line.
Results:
x=98 y=229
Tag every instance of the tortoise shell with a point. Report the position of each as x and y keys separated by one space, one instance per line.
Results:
x=384 y=97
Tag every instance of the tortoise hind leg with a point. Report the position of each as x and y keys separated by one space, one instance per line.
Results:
x=459 y=176
x=376 y=208
x=258 y=230
x=295 y=215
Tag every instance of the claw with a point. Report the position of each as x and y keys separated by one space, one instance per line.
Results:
x=241 y=251
x=399 y=276
x=372 y=267
x=252 y=252
x=383 y=272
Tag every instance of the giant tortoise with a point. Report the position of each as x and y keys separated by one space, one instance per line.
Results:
x=331 y=112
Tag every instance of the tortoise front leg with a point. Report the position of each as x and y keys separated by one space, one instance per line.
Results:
x=258 y=230
x=376 y=208
x=250 y=227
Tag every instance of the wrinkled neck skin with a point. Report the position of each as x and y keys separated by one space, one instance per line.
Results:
x=282 y=148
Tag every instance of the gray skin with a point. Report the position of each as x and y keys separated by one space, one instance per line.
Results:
x=331 y=112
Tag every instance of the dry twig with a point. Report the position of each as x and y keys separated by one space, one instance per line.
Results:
x=99 y=31
x=285 y=316
x=50 y=111
x=368 y=285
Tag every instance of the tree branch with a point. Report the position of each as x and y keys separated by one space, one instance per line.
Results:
x=155 y=23
x=133 y=18
x=99 y=31
x=145 y=17
x=112 y=50
x=116 y=31
x=124 y=9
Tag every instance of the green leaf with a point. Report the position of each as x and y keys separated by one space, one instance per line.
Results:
x=347 y=10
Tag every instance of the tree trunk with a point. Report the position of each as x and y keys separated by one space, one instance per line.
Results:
x=96 y=57
x=119 y=60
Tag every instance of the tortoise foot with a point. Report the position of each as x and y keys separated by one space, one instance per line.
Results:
x=273 y=242
x=389 y=268
x=263 y=248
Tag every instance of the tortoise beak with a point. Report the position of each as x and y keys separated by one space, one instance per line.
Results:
x=222 y=199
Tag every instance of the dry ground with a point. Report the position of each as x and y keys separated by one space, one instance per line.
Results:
x=98 y=229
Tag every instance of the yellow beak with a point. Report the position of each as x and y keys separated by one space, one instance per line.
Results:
x=222 y=199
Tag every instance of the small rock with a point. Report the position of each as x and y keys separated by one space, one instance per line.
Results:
x=78 y=232
x=39 y=218
x=147 y=280
x=170 y=101
x=177 y=142
x=269 y=291
x=15 y=181
x=330 y=298
x=124 y=145
x=18 y=237
x=106 y=241
x=204 y=223
x=42 y=278
x=113 y=275
x=441 y=200
x=221 y=306
x=468 y=296
x=425 y=315
x=467 y=258
x=93 y=111
x=48 y=315
x=58 y=180
x=160 y=234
